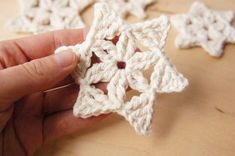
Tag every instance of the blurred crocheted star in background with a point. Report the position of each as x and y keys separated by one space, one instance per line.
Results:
x=46 y=15
x=204 y=27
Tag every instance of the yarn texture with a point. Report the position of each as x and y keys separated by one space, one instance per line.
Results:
x=204 y=27
x=47 y=15
x=122 y=65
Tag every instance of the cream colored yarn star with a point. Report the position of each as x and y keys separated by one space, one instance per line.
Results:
x=204 y=27
x=122 y=65
x=46 y=15
x=134 y=7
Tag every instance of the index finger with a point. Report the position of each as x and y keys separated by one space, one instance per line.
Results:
x=38 y=46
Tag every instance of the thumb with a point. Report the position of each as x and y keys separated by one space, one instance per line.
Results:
x=34 y=76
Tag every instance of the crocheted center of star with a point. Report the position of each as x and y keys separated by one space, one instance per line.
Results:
x=204 y=27
x=121 y=64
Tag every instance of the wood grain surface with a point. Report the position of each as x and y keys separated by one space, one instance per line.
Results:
x=197 y=122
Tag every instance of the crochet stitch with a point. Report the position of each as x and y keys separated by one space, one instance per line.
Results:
x=204 y=27
x=122 y=65
x=47 y=15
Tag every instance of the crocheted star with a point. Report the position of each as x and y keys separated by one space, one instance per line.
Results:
x=122 y=65
x=134 y=7
x=204 y=27
x=46 y=15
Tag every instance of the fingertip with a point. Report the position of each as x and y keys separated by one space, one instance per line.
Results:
x=85 y=32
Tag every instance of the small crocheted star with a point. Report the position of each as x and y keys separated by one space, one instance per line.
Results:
x=122 y=65
x=125 y=7
x=47 y=15
x=204 y=27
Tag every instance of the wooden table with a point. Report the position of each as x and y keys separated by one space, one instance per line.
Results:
x=198 y=122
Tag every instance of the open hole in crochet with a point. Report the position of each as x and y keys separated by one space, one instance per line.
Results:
x=206 y=28
x=49 y=11
x=130 y=94
x=209 y=38
x=63 y=18
x=46 y=22
x=95 y=59
x=30 y=18
x=114 y=40
x=101 y=86
x=68 y=4
x=147 y=73
x=34 y=5
x=121 y=65
x=215 y=21
x=189 y=22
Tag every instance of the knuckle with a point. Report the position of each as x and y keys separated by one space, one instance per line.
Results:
x=11 y=54
x=56 y=40
x=36 y=70
x=5 y=57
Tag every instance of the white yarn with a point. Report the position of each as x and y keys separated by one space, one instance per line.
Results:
x=204 y=27
x=164 y=78
x=134 y=7
x=47 y=15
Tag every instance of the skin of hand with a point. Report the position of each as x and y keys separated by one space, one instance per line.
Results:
x=30 y=116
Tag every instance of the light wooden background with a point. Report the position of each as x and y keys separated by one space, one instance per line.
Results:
x=198 y=122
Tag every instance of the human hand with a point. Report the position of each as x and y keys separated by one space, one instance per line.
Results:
x=29 y=116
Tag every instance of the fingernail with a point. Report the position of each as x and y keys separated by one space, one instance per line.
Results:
x=65 y=59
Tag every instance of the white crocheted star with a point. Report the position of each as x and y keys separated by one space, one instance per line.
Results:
x=47 y=15
x=204 y=27
x=122 y=65
x=134 y=7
